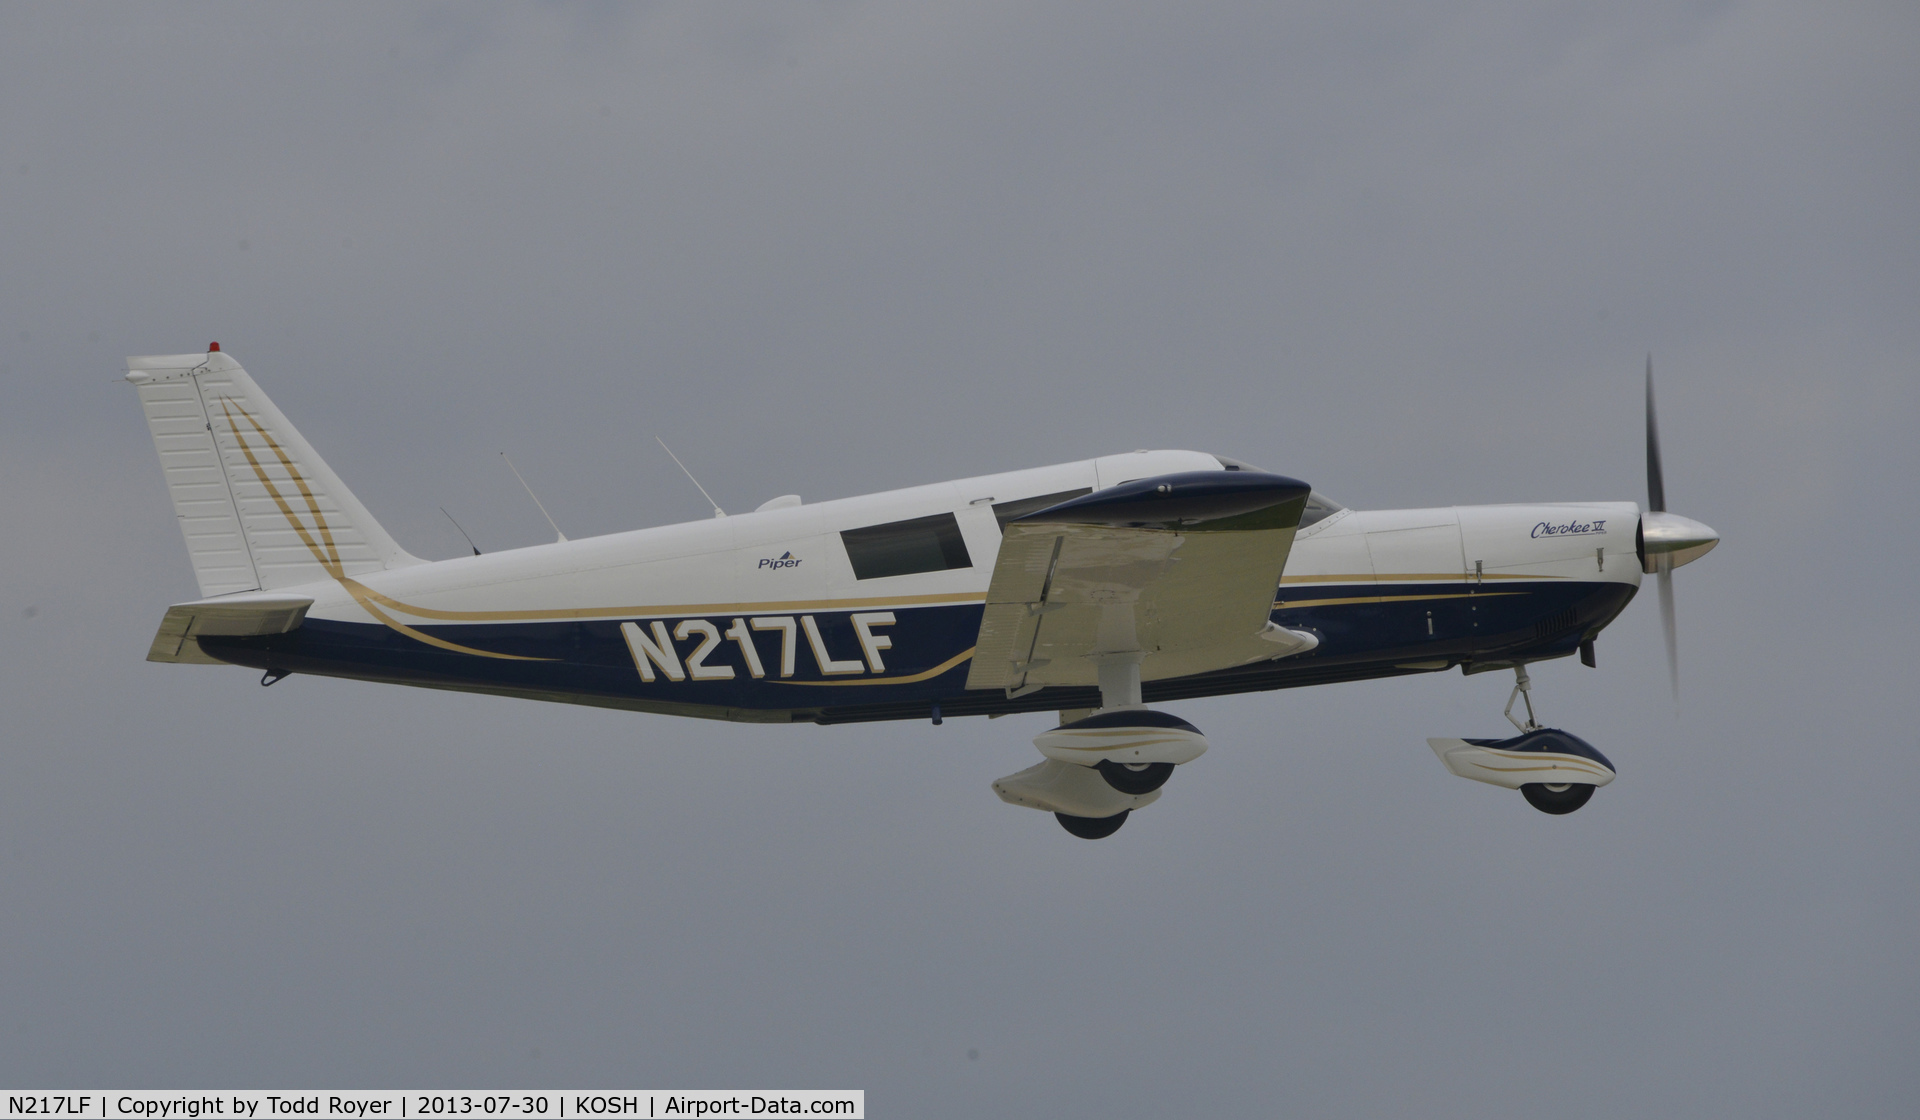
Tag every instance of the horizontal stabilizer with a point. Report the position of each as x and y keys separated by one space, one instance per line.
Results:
x=233 y=616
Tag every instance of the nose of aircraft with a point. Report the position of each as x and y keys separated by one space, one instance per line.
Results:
x=1668 y=540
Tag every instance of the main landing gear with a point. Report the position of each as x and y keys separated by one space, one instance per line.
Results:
x=1555 y=771
x=1134 y=777
x=1102 y=767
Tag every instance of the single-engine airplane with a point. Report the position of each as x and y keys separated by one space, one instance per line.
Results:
x=1088 y=588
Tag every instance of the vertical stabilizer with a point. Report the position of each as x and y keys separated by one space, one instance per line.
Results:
x=259 y=508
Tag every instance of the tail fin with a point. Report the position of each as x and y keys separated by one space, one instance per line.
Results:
x=258 y=507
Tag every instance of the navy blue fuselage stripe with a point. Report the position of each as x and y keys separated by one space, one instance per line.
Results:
x=590 y=662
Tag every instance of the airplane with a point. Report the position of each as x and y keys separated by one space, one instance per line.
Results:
x=1090 y=589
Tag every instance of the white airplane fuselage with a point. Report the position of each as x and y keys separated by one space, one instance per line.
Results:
x=792 y=614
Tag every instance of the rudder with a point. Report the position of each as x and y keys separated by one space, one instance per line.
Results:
x=259 y=508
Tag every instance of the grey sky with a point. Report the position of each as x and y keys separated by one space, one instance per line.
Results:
x=1414 y=254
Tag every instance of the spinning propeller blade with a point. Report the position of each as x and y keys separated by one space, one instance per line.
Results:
x=1667 y=540
x=1673 y=635
x=1657 y=503
x=1656 y=482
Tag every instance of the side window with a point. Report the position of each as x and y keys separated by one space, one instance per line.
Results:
x=1004 y=512
x=901 y=548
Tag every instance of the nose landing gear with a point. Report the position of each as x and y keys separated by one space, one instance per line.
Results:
x=1554 y=770
x=1522 y=690
x=1558 y=798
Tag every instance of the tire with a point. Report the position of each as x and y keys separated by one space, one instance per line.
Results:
x=1093 y=828
x=1136 y=779
x=1558 y=802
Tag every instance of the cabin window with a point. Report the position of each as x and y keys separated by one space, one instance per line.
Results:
x=1004 y=512
x=902 y=548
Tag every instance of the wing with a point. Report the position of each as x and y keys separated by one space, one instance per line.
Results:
x=1181 y=569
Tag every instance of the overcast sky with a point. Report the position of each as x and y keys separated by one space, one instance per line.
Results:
x=1412 y=253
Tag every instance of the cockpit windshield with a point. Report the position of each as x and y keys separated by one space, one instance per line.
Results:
x=1319 y=506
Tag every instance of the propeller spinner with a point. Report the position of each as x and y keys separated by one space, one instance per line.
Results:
x=1667 y=540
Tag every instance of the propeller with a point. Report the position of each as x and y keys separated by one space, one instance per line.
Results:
x=1657 y=503
x=1667 y=540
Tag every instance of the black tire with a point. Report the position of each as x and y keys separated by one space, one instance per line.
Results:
x=1149 y=777
x=1093 y=828
x=1560 y=801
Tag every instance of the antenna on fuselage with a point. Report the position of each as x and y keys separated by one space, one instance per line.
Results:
x=717 y=511
x=463 y=532
x=559 y=537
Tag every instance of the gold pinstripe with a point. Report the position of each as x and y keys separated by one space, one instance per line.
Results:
x=1285 y=603
x=1408 y=577
x=674 y=610
x=325 y=551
